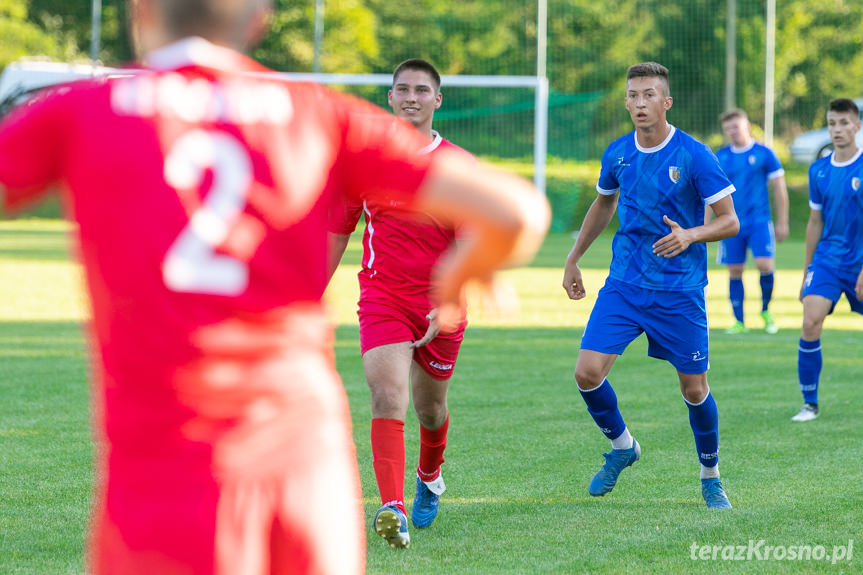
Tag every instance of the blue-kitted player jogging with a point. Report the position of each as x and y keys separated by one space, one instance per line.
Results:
x=659 y=180
x=834 y=244
x=753 y=168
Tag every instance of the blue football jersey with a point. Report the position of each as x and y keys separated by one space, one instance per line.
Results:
x=749 y=169
x=837 y=190
x=675 y=179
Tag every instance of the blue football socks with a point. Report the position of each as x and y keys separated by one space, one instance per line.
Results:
x=704 y=420
x=602 y=405
x=809 y=369
x=735 y=292
x=766 y=290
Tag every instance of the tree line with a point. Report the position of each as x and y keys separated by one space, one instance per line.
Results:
x=590 y=45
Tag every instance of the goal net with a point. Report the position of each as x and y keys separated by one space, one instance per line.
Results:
x=495 y=117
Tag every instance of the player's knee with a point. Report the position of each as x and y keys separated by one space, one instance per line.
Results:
x=430 y=411
x=812 y=327
x=811 y=331
x=388 y=400
x=587 y=377
x=765 y=267
x=694 y=395
x=431 y=418
x=735 y=271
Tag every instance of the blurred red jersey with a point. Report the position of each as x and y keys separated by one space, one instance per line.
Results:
x=400 y=247
x=201 y=188
x=199 y=195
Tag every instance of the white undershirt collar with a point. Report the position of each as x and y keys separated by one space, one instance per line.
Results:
x=671 y=131
x=848 y=162
x=433 y=145
x=743 y=149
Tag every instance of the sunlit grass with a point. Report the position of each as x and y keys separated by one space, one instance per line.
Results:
x=522 y=447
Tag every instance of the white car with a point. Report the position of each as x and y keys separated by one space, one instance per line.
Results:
x=22 y=79
x=809 y=146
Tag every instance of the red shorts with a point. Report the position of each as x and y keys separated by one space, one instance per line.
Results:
x=276 y=506
x=384 y=320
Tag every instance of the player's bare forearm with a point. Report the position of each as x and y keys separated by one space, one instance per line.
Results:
x=814 y=229
x=725 y=225
x=597 y=219
x=719 y=228
x=780 y=206
x=431 y=332
x=858 y=289
x=679 y=238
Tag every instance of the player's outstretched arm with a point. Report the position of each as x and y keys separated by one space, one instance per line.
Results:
x=507 y=217
x=597 y=219
x=679 y=238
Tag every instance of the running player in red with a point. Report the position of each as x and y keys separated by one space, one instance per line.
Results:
x=400 y=338
x=201 y=190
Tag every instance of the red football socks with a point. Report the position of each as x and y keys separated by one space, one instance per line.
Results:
x=388 y=452
x=432 y=446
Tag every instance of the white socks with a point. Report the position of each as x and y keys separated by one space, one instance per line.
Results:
x=437 y=486
x=622 y=441
x=708 y=472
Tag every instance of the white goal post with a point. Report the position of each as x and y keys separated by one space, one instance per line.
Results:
x=539 y=84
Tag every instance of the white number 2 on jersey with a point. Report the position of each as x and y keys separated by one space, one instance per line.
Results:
x=192 y=264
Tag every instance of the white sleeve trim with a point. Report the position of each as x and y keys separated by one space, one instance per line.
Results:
x=777 y=174
x=815 y=206
x=719 y=195
x=606 y=192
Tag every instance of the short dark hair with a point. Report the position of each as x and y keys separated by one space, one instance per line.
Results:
x=732 y=114
x=649 y=70
x=844 y=105
x=422 y=66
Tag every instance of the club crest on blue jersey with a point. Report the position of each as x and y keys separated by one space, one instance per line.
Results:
x=855 y=183
x=674 y=173
x=751 y=160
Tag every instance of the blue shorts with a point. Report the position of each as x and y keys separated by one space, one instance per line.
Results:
x=675 y=323
x=758 y=238
x=831 y=283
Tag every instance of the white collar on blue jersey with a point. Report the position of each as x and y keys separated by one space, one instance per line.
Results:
x=193 y=51
x=743 y=149
x=833 y=161
x=671 y=130
x=436 y=140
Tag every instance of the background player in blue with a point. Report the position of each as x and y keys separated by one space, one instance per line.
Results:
x=834 y=244
x=658 y=179
x=752 y=167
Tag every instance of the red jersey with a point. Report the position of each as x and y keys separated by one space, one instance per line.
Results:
x=201 y=188
x=400 y=247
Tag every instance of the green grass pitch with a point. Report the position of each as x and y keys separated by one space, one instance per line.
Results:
x=522 y=447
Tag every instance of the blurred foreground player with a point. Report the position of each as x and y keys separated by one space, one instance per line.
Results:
x=198 y=187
